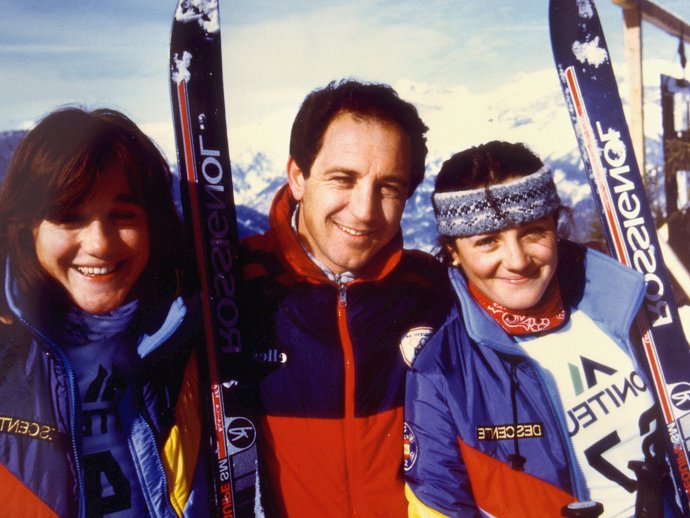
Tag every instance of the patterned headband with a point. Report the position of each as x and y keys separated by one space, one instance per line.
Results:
x=485 y=210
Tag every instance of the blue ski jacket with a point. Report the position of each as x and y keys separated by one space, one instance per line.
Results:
x=474 y=400
x=41 y=471
x=332 y=361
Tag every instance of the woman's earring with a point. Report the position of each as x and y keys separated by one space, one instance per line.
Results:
x=455 y=263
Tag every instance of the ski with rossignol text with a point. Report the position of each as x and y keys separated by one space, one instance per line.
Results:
x=591 y=94
x=206 y=185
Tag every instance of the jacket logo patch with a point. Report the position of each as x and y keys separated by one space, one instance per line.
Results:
x=413 y=341
x=410 y=448
x=509 y=431
x=26 y=428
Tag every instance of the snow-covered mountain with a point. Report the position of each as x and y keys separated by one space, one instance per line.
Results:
x=256 y=183
x=529 y=108
x=8 y=141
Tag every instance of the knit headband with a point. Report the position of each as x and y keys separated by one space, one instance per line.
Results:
x=494 y=208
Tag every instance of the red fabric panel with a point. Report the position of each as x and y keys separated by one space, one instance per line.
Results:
x=321 y=473
x=17 y=501
x=503 y=492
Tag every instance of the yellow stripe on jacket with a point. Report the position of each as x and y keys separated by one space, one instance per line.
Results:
x=416 y=509
x=181 y=449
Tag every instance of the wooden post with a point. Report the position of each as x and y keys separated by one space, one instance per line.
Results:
x=634 y=11
x=632 y=42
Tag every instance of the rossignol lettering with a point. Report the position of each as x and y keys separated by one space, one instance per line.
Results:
x=509 y=431
x=219 y=248
x=27 y=428
x=641 y=253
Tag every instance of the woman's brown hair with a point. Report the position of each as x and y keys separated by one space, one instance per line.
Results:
x=54 y=170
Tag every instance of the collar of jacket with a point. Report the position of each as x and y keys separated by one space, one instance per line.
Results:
x=586 y=277
x=167 y=319
x=294 y=255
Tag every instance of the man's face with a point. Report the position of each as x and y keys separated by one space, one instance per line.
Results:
x=352 y=201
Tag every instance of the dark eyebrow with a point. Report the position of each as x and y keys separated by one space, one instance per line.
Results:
x=129 y=199
x=343 y=170
x=395 y=179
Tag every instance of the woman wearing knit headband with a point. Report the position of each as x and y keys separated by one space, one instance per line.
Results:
x=528 y=399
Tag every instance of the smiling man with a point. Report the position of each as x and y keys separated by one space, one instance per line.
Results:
x=336 y=309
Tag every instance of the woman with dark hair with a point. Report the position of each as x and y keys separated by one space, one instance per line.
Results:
x=528 y=399
x=99 y=400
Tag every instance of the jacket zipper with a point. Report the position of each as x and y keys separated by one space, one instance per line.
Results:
x=350 y=439
x=74 y=404
x=145 y=489
x=142 y=414
x=73 y=407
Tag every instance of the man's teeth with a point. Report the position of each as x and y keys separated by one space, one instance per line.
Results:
x=350 y=230
x=95 y=270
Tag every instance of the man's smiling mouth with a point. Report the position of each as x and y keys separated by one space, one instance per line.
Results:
x=352 y=231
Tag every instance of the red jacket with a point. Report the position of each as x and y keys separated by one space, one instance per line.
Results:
x=332 y=370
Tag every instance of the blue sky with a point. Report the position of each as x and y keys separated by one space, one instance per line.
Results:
x=107 y=53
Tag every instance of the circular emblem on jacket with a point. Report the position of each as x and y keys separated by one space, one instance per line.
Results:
x=413 y=341
x=410 y=447
x=241 y=433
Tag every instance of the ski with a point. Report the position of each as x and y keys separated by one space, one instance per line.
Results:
x=596 y=111
x=206 y=189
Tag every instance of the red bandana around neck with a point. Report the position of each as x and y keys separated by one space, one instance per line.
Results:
x=547 y=315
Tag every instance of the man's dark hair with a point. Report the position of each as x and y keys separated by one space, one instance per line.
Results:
x=365 y=100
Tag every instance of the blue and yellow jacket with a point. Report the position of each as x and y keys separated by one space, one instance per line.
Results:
x=332 y=370
x=41 y=473
x=475 y=401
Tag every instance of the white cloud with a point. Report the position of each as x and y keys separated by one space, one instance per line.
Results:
x=476 y=70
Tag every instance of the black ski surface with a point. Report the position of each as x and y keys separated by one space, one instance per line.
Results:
x=591 y=94
x=206 y=185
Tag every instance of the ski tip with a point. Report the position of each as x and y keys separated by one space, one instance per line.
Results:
x=584 y=9
x=576 y=33
x=203 y=12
